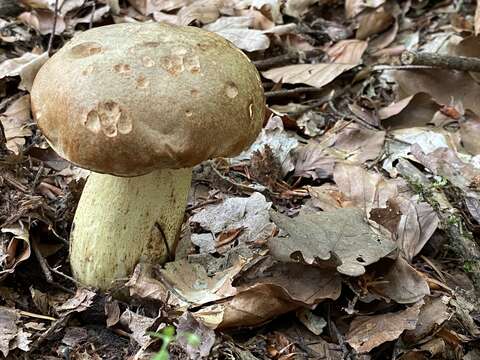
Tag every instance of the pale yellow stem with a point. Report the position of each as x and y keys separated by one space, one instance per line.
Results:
x=121 y=221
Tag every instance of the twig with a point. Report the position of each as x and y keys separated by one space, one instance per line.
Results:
x=58 y=324
x=461 y=63
x=36 y=316
x=164 y=238
x=460 y=239
x=291 y=57
x=400 y=67
x=54 y=28
x=41 y=261
x=45 y=268
x=58 y=272
x=94 y=8
x=292 y=92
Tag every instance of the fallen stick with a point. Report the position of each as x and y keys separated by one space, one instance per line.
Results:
x=449 y=62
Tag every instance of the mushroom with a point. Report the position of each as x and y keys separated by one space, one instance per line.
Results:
x=139 y=105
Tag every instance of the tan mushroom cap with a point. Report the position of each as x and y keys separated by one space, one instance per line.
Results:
x=126 y=99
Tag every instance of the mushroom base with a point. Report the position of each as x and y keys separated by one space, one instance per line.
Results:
x=121 y=221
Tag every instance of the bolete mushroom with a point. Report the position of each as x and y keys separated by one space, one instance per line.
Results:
x=140 y=105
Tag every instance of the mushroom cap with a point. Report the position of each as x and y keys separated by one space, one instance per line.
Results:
x=126 y=99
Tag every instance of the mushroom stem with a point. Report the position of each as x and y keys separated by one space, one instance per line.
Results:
x=121 y=221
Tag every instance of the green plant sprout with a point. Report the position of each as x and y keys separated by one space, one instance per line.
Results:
x=168 y=335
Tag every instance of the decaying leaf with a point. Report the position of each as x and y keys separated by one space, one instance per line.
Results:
x=255 y=306
x=433 y=314
x=374 y=21
x=8 y=328
x=365 y=190
x=190 y=282
x=18 y=249
x=188 y=325
x=298 y=283
x=277 y=139
x=412 y=111
x=368 y=332
x=345 y=55
x=236 y=29
x=248 y=217
x=402 y=284
x=297 y=8
x=349 y=143
x=312 y=322
x=442 y=85
x=417 y=224
x=341 y=236
x=138 y=325
x=81 y=301
x=15 y=122
x=42 y=21
x=25 y=66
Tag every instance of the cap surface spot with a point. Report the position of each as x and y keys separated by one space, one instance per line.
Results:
x=147 y=61
x=85 y=49
x=122 y=68
x=231 y=90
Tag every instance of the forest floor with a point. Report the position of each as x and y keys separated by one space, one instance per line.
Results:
x=349 y=229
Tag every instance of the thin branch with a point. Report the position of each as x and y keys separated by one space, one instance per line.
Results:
x=289 y=58
x=54 y=28
x=448 y=62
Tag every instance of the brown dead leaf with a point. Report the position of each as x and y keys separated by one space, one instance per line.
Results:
x=297 y=8
x=365 y=190
x=187 y=325
x=402 y=284
x=142 y=285
x=298 y=283
x=345 y=55
x=81 y=301
x=389 y=217
x=314 y=162
x=350 y=143
x=316 y=75
x=368 y=332
x=181 y=277
x=18 y=249
x=15 y=122
x=326 y=197
x=443 y=85
x=255 y=306
x=374 y=21
x=204 y=11
x=432 y=315
x=138 y=325
x=25 y=66
x=246 y=39
x=42 y=21
x=8 y=328
x=147 y=7
x=112 y=311
x=470 y=133
x=74 y=335
x=341 y=237
x=355 y=7
x=357 y=144
x=413 y=111
x=237 y=30
x=417 y=224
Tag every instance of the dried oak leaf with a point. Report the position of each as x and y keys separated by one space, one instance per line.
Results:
x=402 y=283
x=345 y=55
x=368 y=332
x=433 y=314
x=342 y=236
